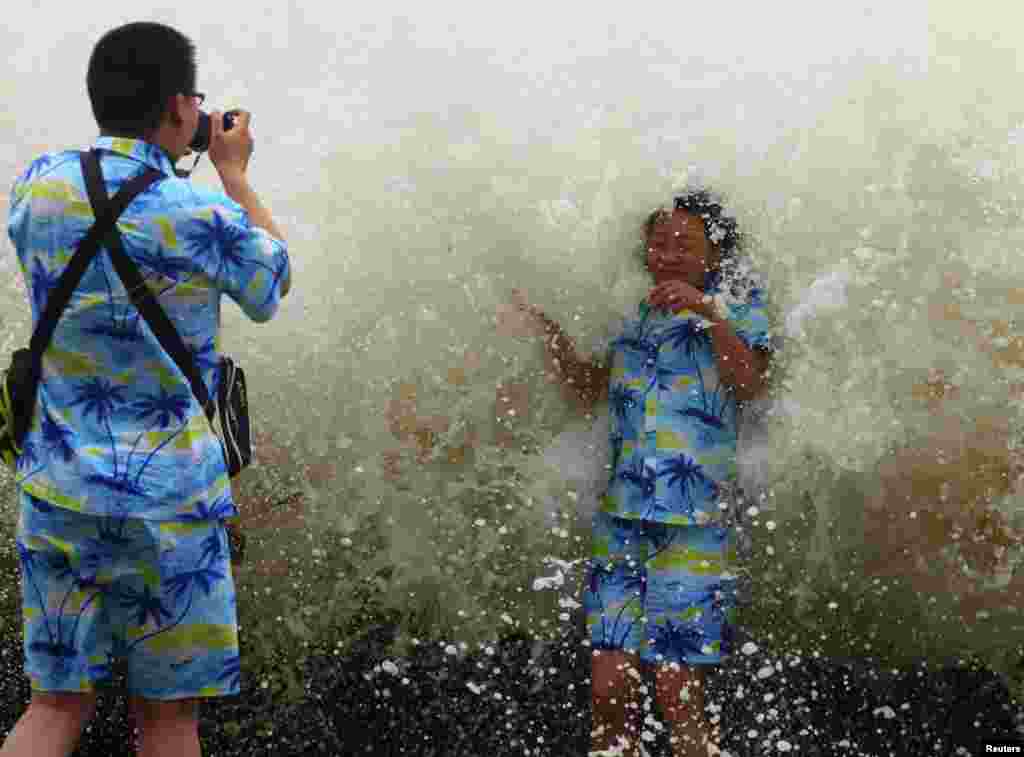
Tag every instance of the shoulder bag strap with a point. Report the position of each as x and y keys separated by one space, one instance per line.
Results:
x=59 y=297
x=141 y=294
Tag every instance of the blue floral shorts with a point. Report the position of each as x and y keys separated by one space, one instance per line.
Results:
x=661 y=591
x=157 y=595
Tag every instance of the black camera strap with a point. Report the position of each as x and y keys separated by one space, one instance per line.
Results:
x=183 y=174
x=60 y=295
x=141 y=294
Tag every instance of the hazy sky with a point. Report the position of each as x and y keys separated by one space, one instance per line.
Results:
x=297 y=65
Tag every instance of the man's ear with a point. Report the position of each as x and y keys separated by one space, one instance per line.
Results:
x=174 y=110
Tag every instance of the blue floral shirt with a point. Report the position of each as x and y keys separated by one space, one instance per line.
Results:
x=117 y=430
x=673 y=422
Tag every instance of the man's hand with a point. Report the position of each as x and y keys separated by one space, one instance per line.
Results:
x=231 y=150
x=678 y=295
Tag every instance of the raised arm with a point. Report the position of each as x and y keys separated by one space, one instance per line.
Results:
x=585 y=380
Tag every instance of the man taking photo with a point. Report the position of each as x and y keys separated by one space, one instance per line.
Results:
x=123 y=483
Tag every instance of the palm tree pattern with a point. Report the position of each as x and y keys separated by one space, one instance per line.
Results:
x=118 y=431
x=91 y=597
x=658 y=582
x=660 y=590
x=673 y=434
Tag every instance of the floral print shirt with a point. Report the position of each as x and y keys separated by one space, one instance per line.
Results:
x=673 y=422
x=117 y=430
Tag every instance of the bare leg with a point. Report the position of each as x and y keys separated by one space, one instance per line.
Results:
x=51 y=726
x=135 y=718
x=680 y=694
x=169 y=729
x=616 y=702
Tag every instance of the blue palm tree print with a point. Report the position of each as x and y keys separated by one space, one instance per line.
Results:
x=44 y=281
x=118 y=651
x=56 y=437
x=220 y=509
x=640 y=476
x=120 y=328
x=661 y=536
x=639 y=338
x=663 y=377
x=688 y=336
x=622 y=400
x=618 y=580
x=691 y=338
x=219 y=236
x=146 y=606
x=717 y=597
x=280 y=269
x=677 y=640
x=717 y=413
x=205 y=356
x=111 y=531
x=671 y=463
x=616 y=444
x=53 y=645
x=689 y=636
x=37 y=167
x=99 y=396
x=685 y=472
x=687 y=429
x=30 y=455
x=163 y=612
x=647 y=348
x=179 y=270
x=232 y=672
x=176 y=233
x=164 y=406
x=123 y=326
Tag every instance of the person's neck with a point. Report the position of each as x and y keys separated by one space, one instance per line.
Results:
x=665 y=278
x=118 y=135
x=150 y=139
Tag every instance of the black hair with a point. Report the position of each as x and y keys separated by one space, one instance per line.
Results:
x=719 y=226
x=734 y=274
x=133 y=70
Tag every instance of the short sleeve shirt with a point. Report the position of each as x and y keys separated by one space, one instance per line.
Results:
x=673 y=422
x=117 y=430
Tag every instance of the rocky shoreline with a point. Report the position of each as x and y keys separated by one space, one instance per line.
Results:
x=521 y=697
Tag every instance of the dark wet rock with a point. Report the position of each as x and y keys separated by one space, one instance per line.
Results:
x=824 y=708
x=426 y=705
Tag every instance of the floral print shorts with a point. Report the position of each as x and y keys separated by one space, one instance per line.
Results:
x=661 y=591
x=157 y=595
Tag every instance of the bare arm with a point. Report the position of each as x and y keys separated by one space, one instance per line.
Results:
x=587 y=379
x=237 y=187
x=740 y=367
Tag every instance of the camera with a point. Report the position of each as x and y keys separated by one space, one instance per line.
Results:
x=201 y=141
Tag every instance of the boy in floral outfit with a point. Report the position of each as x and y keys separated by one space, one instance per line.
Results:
x=659 y=591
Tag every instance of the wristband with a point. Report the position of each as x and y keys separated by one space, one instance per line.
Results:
x=719 y=308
